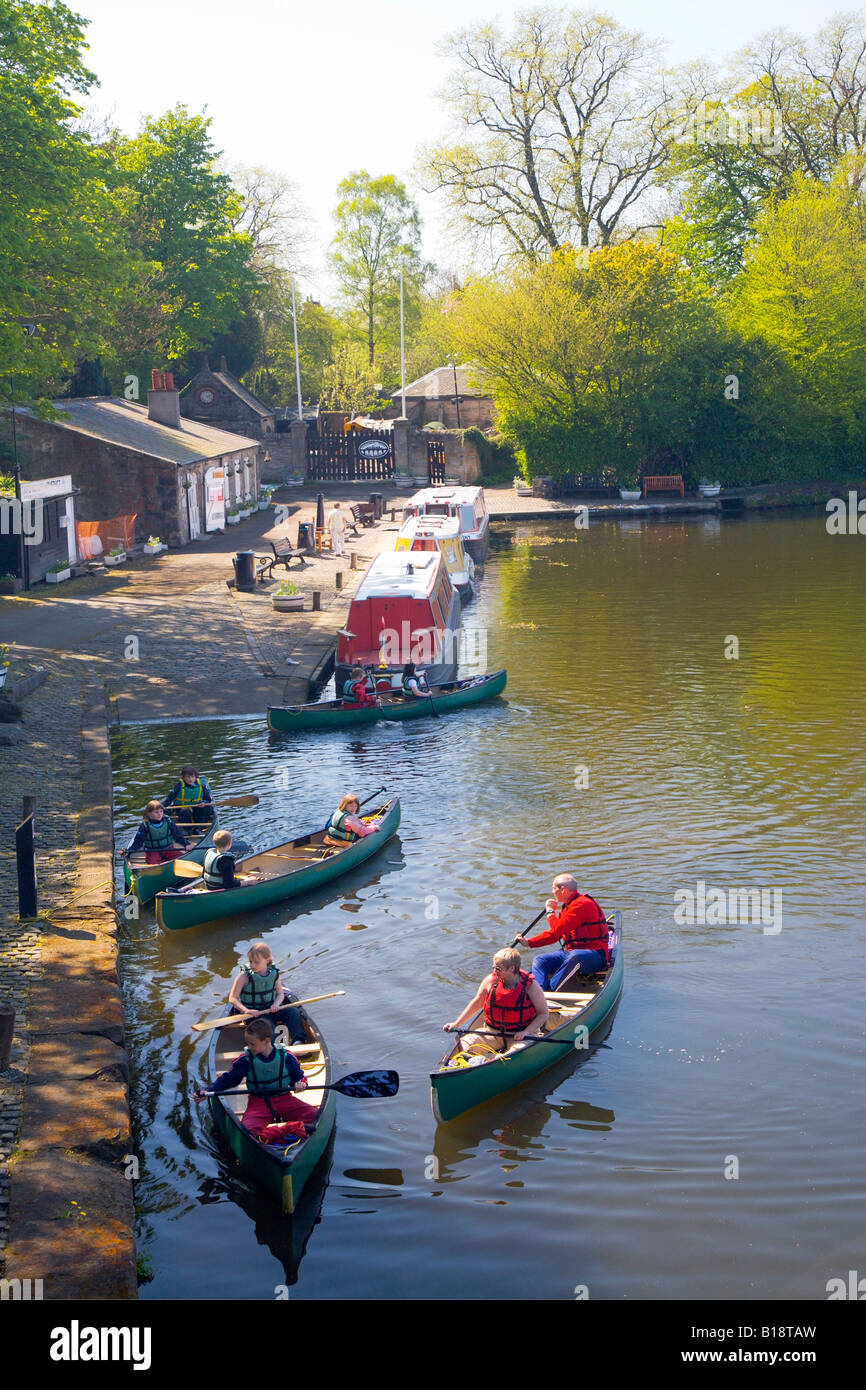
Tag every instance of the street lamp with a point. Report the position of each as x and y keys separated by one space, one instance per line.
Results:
x=456 y=395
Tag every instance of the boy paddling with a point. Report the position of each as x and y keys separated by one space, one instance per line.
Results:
x=157 y=836
x=192 y=793
x=271 y=1074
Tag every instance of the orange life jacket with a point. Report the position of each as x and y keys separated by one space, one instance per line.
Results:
x=509 y=1010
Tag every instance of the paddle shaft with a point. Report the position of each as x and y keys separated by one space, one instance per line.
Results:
x=233 y=1019
x=533 y=1037
x=541 y=914
x=314 y=1086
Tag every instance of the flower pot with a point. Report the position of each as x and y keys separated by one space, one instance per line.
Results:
x=10 y=586
x=709 y=489
x=112 y=560
x=523 y=491
x=154 y=549
x=3 y=674
x=629 y=495
x=288 y=603
x=232 y=520
x=58 y=576
x=264 y=504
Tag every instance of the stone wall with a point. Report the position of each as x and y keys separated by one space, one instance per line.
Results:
x=461 y=455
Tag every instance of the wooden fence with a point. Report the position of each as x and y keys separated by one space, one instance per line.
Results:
x=336 y=457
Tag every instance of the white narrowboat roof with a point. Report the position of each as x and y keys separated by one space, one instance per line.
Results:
x=436 y=526
x=403 y=574
x=458 y=495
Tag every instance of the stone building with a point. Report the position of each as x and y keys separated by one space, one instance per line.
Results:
x=177 y=476
x=438 y=397
x=218 y=399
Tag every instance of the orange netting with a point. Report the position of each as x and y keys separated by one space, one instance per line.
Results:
x=96 y=538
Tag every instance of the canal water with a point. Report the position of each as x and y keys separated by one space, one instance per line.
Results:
x=685 y=707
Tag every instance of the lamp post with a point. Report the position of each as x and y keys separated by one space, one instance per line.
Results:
x=23 y=566
x=402 y=351
x=456 y=395
x=297 y=359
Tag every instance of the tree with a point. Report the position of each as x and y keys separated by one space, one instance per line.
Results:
x=62 y=260
x=180 y=216
x=349 y=382
x=378 y=231
x=612 y=363
x=802 y=292
x=566 y=123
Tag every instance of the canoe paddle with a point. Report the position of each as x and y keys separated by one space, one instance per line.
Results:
x=542 y=913
x=534 y=1038
x=242 y=1018
x=358 y=1084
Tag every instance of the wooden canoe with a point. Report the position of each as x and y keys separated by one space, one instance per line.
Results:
x=331 y=714
x=145 y=880
x=586 y=1003
x=283 y=871
x=278 y=1170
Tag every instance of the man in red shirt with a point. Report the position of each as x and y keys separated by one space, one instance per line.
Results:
x=577 y=923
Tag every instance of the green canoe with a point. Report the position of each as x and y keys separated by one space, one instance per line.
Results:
x=283 y=871
x=586 y=1003
x=279 y=1170
x=145 y=880
x=331 y=714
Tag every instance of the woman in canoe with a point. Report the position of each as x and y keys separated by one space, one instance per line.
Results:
x=192 y=793
x=271 y=1074
x=258 y=990
x=414 y=683
x=346 y=824
x=157 y=836
x=514 y=1006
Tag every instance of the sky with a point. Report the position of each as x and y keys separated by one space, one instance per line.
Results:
x=316 y=90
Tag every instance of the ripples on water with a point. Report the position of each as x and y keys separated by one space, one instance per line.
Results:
x=728 y=1042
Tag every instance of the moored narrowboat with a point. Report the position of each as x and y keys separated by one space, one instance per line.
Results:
x=467 y=504
x=442 y=533
x=404 y=609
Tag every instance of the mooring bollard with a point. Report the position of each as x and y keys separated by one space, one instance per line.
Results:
x=338 y=578
x=353 y=561
x=317 y=600
x=7 y=1027
x=25 y=857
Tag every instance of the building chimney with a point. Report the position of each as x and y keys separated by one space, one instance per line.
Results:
x=163 y=401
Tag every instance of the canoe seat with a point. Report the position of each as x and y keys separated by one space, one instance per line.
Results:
x=336 y=844
x=554 y=998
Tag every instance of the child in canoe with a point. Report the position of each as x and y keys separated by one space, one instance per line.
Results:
x=192 y=794
x=258 y=989
x=219 y=864
x=272 y=1074
x=157 y=836
x=346 y=824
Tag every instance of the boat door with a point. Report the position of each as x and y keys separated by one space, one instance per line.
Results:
x=214 y=498
x=192 y=510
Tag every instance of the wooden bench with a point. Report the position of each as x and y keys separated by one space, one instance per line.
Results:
x=284 y=554
x=364 y=514
x=664 y=482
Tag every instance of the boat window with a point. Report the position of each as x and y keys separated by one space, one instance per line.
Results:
x=467 y=518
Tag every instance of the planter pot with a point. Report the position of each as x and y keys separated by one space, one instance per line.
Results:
x=629 y=495
x=288 y=603
x=293 y=482
x=112 y=560
x=154 y=549
x=55 y=577
x=232 y=520
x=3 y=674
x=263 y=506
x=709 y=489
x=10 y=586
x=523 y=491
x=420 y=482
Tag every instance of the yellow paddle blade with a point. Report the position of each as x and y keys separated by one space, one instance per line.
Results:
x=186 y=868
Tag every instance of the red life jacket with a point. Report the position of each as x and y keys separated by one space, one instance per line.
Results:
x=575 y=940
x=509 y=1010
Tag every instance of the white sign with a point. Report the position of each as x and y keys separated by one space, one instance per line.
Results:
x=46 y=487
x=374 y=449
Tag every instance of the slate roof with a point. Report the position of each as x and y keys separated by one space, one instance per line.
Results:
x=232 y=384
x=126 y=424
x=439 y=384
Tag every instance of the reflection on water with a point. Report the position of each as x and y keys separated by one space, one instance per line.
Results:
x=743 y=772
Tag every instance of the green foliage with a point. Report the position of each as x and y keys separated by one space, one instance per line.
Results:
x=378 y=230
x=349 y=382
x=496 y=454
